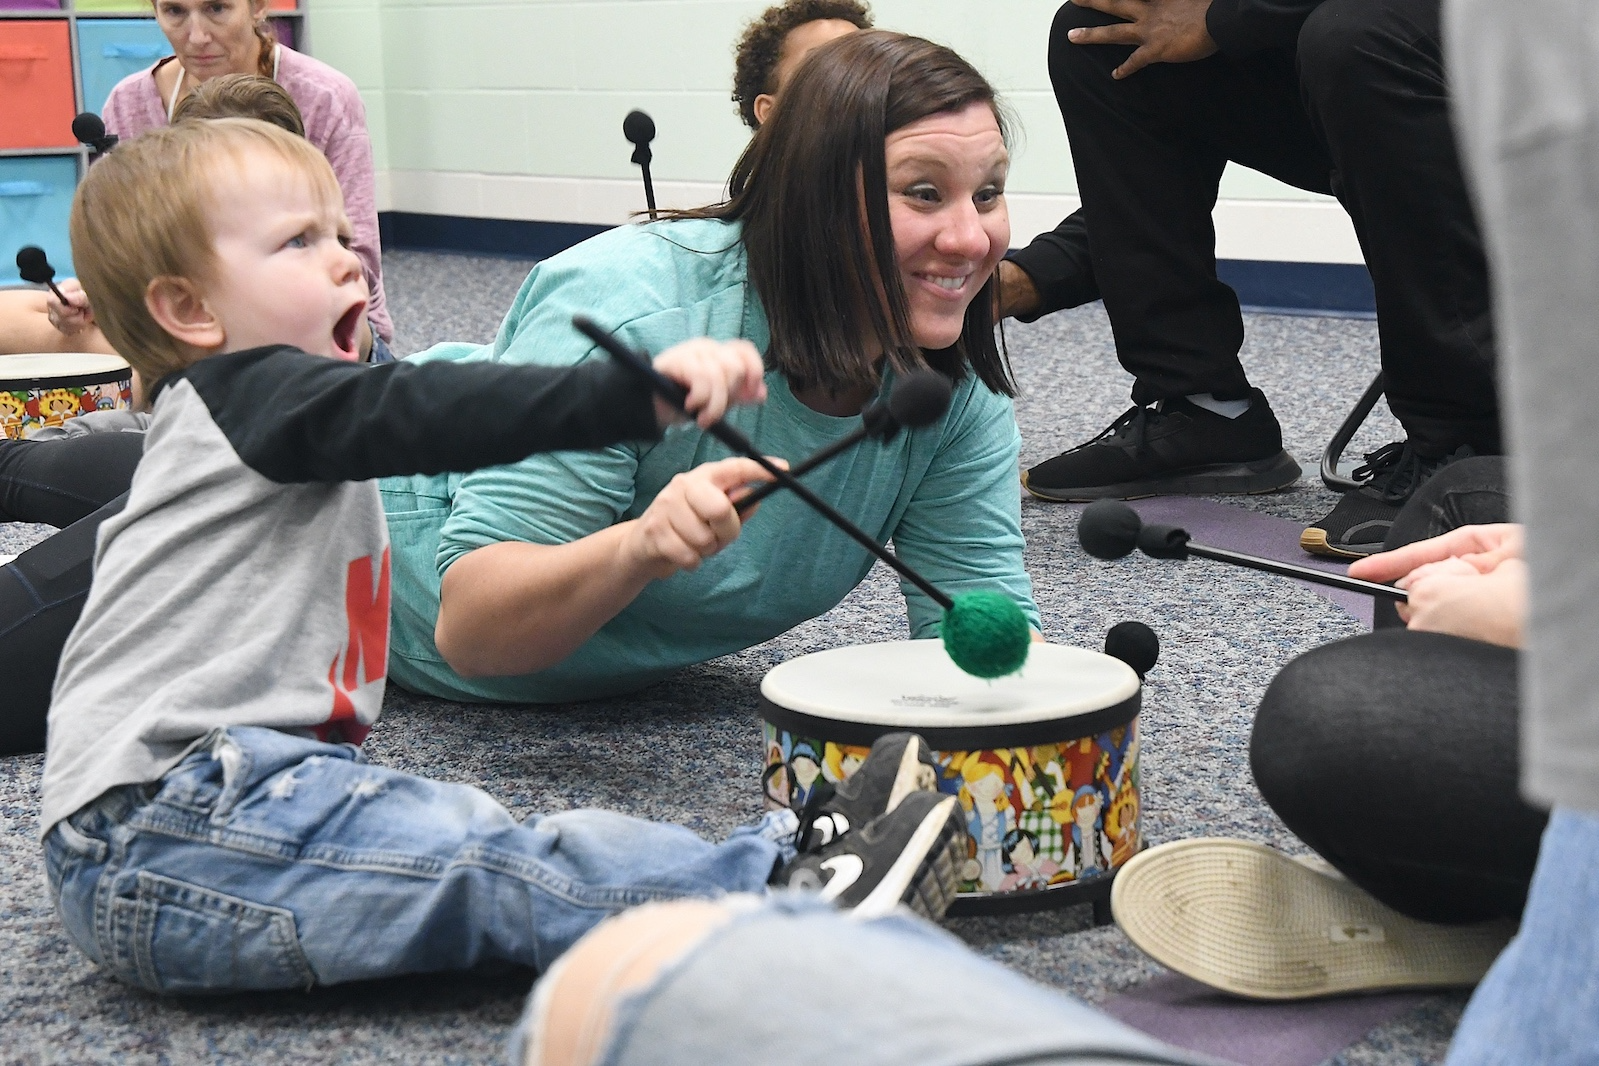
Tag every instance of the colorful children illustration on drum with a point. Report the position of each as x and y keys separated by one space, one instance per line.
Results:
x=1091 y=849
x=1039 y=817
x=13 y=414
x=58 y=405
x=992 y=807
x=1024 y=869
x=24 y=413
x=1121 y=825
x=841 y=761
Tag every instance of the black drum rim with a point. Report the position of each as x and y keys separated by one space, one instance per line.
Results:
x=975 y=737
x=69 y=381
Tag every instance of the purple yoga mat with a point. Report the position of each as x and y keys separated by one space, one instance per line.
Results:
x=1219 y=525
x=30 y=5
x=1189 y=1015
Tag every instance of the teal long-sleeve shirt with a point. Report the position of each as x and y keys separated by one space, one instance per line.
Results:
x=947 y=495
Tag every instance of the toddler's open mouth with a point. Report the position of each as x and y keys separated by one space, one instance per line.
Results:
x=345 y=330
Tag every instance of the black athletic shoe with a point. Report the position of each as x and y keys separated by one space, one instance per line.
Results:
x=1172 y=448
x=1357 y=526
x=911 y=856
x=899 y=764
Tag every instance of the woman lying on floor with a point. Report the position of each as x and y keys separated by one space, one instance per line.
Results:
x=576 y=576
x=548 y=581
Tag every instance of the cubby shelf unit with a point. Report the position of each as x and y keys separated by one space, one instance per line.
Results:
x=40 y=165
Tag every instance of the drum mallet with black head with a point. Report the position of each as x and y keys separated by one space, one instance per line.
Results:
x=918 y=399
x=985 y=633
x=1135 y=644
x=639 y=129
x=1109 y=529
x=90 y=130
x=36 y=270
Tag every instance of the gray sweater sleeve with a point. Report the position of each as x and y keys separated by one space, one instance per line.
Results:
x=1527 y=107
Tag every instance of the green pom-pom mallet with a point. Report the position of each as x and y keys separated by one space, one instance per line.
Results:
x=985 y=633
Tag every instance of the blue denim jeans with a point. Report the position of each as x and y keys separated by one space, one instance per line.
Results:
x=265 y=860
x=793 y=982
x=1540 y=1001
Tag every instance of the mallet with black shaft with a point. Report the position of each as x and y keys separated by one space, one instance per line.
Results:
x=985 y=633
x=918 y=399
x=1109 y=529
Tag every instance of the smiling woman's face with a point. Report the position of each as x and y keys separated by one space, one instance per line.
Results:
x=212 y=37
x=946 y=205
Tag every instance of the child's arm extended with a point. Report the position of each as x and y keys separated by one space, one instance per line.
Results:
x=297 y=417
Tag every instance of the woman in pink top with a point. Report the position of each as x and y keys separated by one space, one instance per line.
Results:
x=215 y=37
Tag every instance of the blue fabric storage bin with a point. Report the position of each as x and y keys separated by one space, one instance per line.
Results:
x=35 y=203
x=111 y=49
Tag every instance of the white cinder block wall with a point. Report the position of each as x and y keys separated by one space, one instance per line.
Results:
x=513 y=109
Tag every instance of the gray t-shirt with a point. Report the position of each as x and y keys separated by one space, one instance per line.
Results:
x=247 y=580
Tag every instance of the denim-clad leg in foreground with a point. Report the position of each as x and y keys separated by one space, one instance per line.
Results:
x=1537 y=1003
x=265 y=860
x=790 y=981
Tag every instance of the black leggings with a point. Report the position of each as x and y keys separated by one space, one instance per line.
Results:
x=76 y=483
x=1395 y=754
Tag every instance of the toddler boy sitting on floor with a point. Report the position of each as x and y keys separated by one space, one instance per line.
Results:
x=209 y=822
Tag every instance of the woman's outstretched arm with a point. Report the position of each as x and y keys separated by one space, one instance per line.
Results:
x=516 y=608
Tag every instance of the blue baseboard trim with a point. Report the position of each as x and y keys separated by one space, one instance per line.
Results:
x=1342 y=289
x=490 y=236
x=1339 y=289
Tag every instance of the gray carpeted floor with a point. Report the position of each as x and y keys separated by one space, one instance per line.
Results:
x=688 y=750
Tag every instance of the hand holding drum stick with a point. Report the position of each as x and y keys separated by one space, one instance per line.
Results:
x=985 y=633
x=1109 y=529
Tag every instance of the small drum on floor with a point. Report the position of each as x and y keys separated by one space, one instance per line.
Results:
x=45 y=390
x=1044 y=762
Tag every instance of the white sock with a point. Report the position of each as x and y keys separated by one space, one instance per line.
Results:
x=1225 y=408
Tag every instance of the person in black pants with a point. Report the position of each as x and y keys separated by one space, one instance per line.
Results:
x=1394 y=754
x=1345 y=97
x=75 y=483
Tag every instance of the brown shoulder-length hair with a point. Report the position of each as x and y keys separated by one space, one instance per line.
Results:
x=828 y=276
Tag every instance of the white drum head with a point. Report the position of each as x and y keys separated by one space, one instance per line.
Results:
x=913 y=683
x=44 y=366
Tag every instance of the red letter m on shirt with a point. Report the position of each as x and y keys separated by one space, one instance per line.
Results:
x=366 y=657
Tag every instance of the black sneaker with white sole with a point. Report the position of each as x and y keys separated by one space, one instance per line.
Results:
x=910 y=856
x=898 y=764
x=1359 y=523
x=1172 y=448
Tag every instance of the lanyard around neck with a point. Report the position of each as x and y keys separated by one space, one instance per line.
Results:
x=177 y=88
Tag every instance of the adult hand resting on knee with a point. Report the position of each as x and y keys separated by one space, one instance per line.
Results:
x=1471 y=582
x=1159 y=31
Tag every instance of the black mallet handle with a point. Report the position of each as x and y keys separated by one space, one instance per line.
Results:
x=673 y=393
x=1171 y=542
x=822 y=455
x=649 y=187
